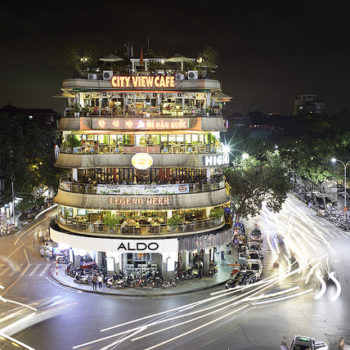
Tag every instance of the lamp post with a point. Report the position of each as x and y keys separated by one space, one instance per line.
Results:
x=345 y=165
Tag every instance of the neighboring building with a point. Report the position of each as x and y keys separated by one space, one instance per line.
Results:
x=145 y=187
x=308 y=103
x=43 y=116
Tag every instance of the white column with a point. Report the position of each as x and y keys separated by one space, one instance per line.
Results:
x=75 y=174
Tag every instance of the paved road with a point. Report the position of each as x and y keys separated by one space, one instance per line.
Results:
x=248 y=319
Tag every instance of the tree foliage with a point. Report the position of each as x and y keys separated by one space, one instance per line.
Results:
x=252 y=182
x=26 y=156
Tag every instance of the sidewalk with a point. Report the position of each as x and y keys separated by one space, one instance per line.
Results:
x=188 y=286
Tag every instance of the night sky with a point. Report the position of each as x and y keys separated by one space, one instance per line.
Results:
x=269 y=51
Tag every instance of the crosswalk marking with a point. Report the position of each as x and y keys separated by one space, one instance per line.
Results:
x=44 y=270
x=36 y=268
x=32 y=269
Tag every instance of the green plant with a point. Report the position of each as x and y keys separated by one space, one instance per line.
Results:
x=174 y=220
x=216 y=213
x=73 y=141
x=76 y=108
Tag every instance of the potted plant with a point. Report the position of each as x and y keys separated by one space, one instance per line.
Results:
x=174 y=221
x=216 y=213
x=76 y=110
x=87 y=111
x=72 y=141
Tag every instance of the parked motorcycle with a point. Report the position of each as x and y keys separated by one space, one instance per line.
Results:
x=82 y=279
x=168 y=284
x=111 y=283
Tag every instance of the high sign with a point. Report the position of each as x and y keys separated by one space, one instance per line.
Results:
x=219 y=159
x=143 y=81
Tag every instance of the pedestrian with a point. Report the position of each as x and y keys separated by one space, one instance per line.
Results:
x=222 y=253
x=94 y=282
x=99 y=280
x=341 y=344
x=200 y=269
x=284 y=344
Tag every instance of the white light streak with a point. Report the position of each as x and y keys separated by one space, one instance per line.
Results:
x=338 y=292
x=321 y=293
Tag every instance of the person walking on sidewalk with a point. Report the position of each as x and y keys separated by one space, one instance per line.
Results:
x=99 y=280
x=94 y=282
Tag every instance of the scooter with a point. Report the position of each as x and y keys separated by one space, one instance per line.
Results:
x=81 y=279
x=111 y=283
x=168 y=284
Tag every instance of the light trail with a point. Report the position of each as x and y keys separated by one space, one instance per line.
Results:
x=197 y=328
x=15 y=341
x=28 y=229
x=283 y=298
x=20 y=276
x=321 y=293
x=16 y=302
x=338 y=292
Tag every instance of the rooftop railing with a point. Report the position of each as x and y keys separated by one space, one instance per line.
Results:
x=155 y=112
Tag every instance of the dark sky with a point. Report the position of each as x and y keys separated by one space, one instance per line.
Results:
x=269 y=51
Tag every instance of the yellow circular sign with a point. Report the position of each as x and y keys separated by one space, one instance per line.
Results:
x=142 y=161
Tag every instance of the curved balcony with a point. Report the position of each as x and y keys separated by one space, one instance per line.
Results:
x=77 y=187
x=144 y=112
x=99 y=229
x=142 y=202
x=160 y=160
x=142 y=123
x=166 y=149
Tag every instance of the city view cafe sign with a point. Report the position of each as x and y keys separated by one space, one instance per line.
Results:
x=157 y=81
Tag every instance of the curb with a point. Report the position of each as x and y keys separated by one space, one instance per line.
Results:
x=145 y=294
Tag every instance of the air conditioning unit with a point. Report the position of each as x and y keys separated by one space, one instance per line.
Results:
x=92 y=76
x=179 y=76
x=192 y=74
x=107 y=74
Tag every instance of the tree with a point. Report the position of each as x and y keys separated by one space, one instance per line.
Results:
x=26 y=156
x=252 y=182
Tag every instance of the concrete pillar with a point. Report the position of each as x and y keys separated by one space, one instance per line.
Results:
x=76 y=258
x=206 y=262
x=99 y=259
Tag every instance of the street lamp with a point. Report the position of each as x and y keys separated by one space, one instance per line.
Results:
x=334 y=160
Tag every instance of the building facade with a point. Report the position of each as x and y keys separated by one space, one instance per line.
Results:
x=144 y=184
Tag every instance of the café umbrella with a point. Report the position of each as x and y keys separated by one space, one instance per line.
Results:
x=111 y=58
x=180 y=58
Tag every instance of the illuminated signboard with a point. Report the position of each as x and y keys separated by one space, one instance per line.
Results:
x=139 y=201
x=141 y=189
x=220 y=159
x=142 y=124
x=142 y=161
x=143 y=81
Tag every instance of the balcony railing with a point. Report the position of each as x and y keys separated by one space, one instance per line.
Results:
x=143 y=112
x=166 y=148
x=150 y=229
x=132 y=189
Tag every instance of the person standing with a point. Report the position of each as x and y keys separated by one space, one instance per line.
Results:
x=94 y=282
x=200 y=268
x=99 y=280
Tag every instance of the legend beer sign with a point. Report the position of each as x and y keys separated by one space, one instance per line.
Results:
x=140 y=201
x=137 y=82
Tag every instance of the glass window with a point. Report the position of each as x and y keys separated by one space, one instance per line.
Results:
x=180 y=138
x=194 y=138
x=164 y=138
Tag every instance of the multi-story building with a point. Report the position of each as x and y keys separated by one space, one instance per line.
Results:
x=308 y=103
x=145 y=185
